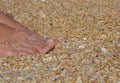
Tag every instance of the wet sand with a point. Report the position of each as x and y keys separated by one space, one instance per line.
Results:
x=90 y=53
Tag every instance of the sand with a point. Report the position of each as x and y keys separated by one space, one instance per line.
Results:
x=90 y=53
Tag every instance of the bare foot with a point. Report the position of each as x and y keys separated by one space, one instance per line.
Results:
x=16 y=39
x=21 y=42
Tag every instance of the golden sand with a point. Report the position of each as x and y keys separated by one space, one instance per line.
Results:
x=90 y=54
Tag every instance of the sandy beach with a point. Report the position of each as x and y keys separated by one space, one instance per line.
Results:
x=90 y=53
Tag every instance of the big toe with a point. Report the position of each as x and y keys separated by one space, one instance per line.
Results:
x=50 y=43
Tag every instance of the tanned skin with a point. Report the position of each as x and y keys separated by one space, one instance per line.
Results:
x=16 y=39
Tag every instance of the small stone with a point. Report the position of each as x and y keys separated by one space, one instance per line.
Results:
x=104 y=50
x=53 y=68
x=42 y=0
x=7 y=78
x=20 y=78
x=81 y=47
x=85 y=38
x=103 y=36
x=79 y=80
x=56 y=77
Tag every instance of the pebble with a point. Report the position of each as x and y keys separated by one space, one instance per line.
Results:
x=42 y=0
x=7 y=78
x=103 y=36
x=56 y=77
x=81 y=47
x=84 y=38
x=53 y=68
x=79 y=80
x=104 y=50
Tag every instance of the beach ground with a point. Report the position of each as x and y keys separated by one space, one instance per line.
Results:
x=90 y=53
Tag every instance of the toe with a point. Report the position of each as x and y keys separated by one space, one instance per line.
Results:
x=53 y=42
x=50 y=43
x=42 y=46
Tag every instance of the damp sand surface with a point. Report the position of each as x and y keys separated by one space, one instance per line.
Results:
x=90 y=53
